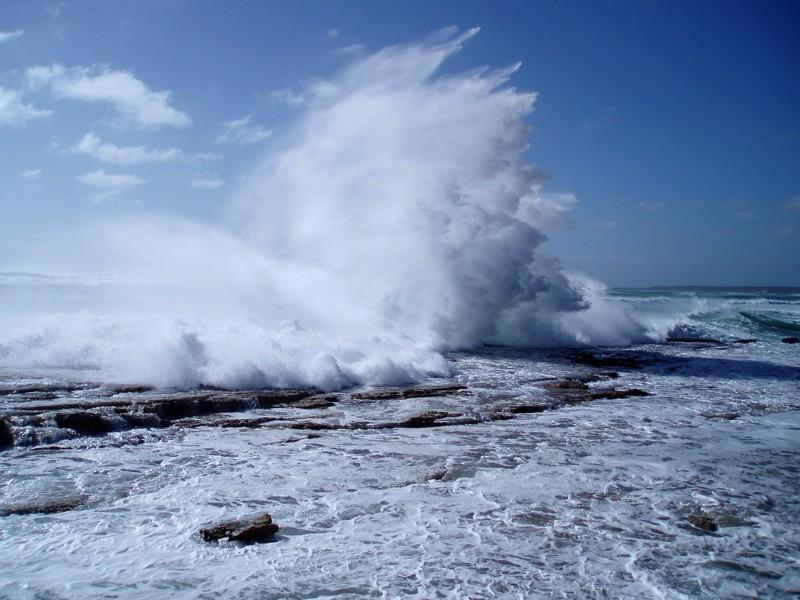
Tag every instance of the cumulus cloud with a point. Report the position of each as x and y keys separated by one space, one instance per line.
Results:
x=109 y=184
x=207 y=183
x=112 y=154
x=6 y=36
x=242 y=131
x=135 y=103
x=31 y=174
x=14 y=112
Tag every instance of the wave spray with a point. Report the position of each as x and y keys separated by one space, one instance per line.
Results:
x=394 y=220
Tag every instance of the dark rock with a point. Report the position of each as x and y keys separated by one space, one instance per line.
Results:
x=6 y=435
x=64 y=388
x=617 y=394
x=521 y=409
x=84 y=423
x=321 y=401
x=702 y=521
x=271 y=398
x=500 y=415
x=409 y=392
x=727 y=416
x=176 y=407
x=628 y=361
x=45 y=507
x=766 y=503
x=791 y=340
x=246 y=423
x=310 y=436
x=690 y=340
x=314 y=426
x=426 y=419
x=135 y=420
x=256 y=529
x=436 y=475
x=568 y=384
x=130 y=389
x=745 y=341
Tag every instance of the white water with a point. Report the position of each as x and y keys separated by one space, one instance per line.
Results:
x=583 y=501
x=395 y=219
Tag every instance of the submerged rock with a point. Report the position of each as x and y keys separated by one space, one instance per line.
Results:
x=409 y=392
x=257 y=529
x=703 y=522
x=690 y=340
x=725 y=416
x=745 y=341
x=791 y=340
x=603 y=359
x=436 y=475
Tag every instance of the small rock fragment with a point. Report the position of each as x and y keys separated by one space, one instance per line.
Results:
x=256 y=529
x=436 y=475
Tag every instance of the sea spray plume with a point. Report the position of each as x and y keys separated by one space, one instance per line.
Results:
x=394 y=220
x=407 y=189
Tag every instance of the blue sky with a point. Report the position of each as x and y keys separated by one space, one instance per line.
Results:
x=676 y=124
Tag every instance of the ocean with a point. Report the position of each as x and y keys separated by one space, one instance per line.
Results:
x=667 y=467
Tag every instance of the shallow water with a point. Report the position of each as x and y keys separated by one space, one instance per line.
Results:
x=589 y=500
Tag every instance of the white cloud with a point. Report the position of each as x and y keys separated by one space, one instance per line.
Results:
x=131 y=98
x=102 y=179
x=14 y=112
x=332 y=33
x=111 y=154
x=207 y=183
x=241 y=130
x=31 y=174
x=109 y=184
x=288 y=97
x=6 y=36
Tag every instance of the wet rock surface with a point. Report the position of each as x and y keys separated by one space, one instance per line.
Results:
x=255 y=529
x=44 y=507
x=791 y=340
x=120 y=408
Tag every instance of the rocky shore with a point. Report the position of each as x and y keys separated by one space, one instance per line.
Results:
x=45 y=413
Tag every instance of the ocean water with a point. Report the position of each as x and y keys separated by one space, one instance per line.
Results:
x=582 y=499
